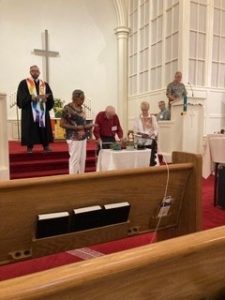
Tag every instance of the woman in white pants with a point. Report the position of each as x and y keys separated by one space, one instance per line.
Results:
x=74 y=122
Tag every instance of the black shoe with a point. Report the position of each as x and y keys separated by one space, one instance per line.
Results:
x=47 y=149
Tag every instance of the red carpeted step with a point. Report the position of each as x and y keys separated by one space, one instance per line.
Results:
x=90 y=169
x=45 y=164
x=39 y=163
x=15 y=147
x=38 y=173
x=22 y=157
x=37 y=155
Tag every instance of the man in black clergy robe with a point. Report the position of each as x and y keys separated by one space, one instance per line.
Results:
x=35 y=99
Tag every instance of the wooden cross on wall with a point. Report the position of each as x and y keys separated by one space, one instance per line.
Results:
x=46 y=53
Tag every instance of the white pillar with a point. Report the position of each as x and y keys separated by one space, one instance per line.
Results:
x=4 y=151
x=184 y=39
x=122 y=33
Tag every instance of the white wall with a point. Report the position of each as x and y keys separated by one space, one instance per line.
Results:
x=82 y=32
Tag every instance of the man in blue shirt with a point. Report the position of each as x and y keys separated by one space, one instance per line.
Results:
x=164 y=113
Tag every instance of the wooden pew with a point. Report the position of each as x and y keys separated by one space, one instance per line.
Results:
x=183 y=268
x=22 y=200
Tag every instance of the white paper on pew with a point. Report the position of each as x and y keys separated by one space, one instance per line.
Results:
x=87 y=209
x=116 y=205
x=53 y=215
x=165 y=207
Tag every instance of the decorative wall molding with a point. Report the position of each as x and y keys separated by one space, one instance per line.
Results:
x=145 y=95
x=216 y=116
x=121 y=8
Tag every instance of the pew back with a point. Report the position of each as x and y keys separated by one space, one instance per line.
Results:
x=183 y=268
x=22 y=200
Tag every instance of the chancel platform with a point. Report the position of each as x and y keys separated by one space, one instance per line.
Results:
x=39 y=163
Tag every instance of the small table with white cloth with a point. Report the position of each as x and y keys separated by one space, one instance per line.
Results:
x=214 y=153
x=122 y=159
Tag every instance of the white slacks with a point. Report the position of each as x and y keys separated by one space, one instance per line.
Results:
x=77 y=152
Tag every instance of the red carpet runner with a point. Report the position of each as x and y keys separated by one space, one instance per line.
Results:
x=212 y=217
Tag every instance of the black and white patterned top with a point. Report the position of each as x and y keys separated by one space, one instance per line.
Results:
x=74 y=117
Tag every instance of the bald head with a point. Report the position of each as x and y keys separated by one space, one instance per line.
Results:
x=110 y=112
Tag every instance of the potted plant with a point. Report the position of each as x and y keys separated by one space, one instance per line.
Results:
x=58 y=107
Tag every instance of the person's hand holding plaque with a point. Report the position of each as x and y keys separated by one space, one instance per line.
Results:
x=42 y=98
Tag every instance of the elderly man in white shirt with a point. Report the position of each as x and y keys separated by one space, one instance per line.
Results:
x=146 y=130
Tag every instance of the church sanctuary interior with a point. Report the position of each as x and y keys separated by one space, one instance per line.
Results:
x=112 y=152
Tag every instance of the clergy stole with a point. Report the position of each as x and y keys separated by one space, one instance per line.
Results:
x=38 y=107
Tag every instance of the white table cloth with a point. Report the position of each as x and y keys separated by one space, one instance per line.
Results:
x=124 y=159
x=214 y=152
